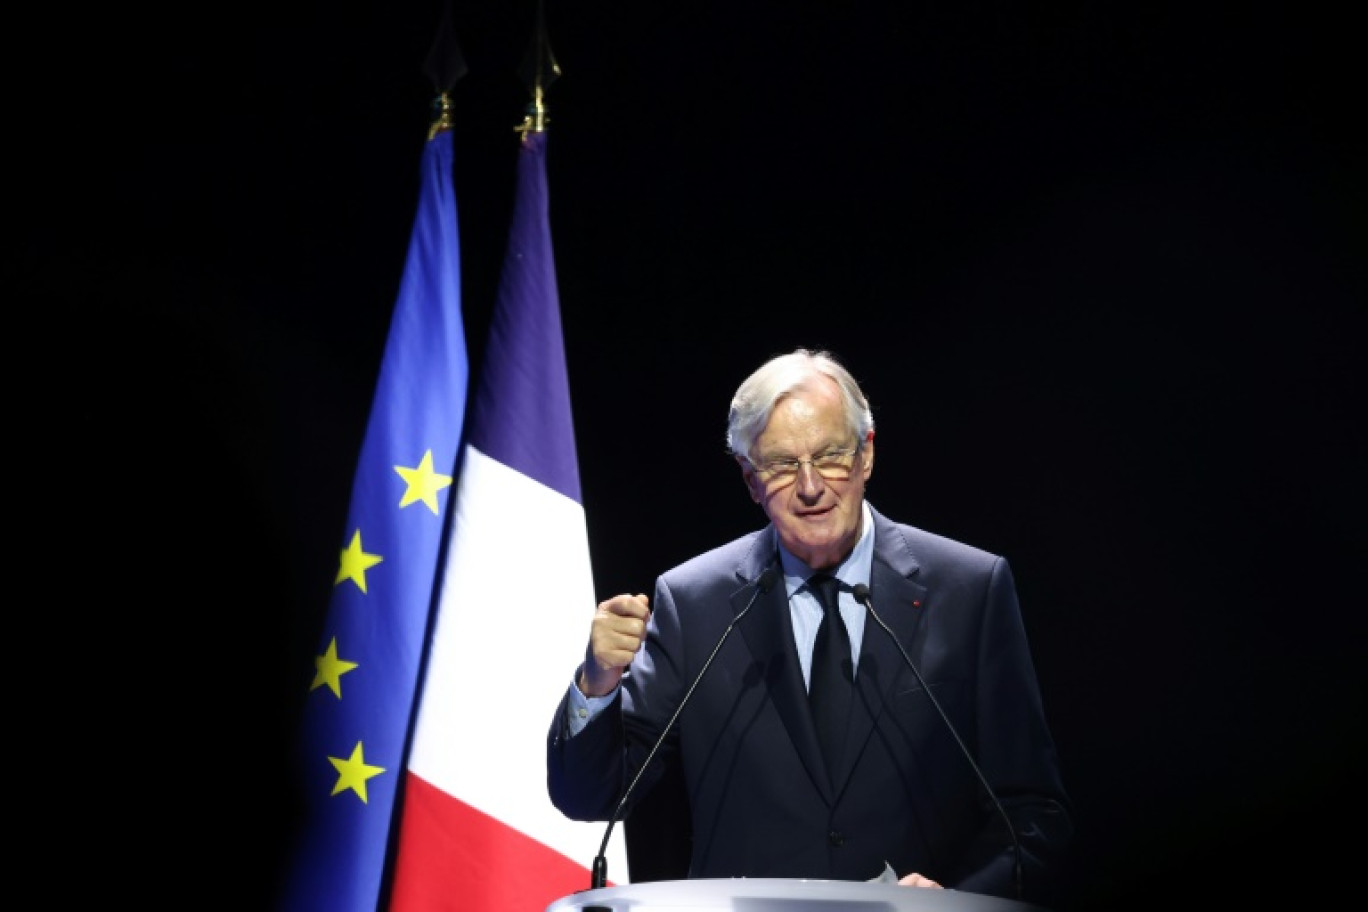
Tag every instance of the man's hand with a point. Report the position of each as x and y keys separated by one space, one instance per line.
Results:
x=916 y=880
x=618 y=632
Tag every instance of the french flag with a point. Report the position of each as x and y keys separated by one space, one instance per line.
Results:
x=477 y=830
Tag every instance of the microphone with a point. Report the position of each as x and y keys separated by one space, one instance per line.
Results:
x=762 y=585
x=862 y=596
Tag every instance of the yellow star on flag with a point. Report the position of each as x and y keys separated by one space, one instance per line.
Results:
x=353 y=772
x=329 y=670
x=355 y=563
x=423 y=483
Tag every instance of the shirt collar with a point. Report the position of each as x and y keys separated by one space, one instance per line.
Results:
x=852 y=571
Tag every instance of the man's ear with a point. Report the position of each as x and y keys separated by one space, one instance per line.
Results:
x=753 y=484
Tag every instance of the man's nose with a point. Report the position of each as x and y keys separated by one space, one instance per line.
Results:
x=810 y=481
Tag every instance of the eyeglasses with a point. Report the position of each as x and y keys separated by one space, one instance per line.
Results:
x=833 y=465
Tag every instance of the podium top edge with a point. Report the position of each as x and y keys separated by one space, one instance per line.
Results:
x=769 y=894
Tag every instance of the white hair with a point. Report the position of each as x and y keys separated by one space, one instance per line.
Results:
x=781 y=376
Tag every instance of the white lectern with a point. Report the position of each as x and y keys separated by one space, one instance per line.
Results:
x=760 y=894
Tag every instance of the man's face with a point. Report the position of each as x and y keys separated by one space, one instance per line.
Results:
x=815 y=504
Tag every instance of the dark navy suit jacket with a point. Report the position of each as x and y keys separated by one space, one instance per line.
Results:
x=760 y=798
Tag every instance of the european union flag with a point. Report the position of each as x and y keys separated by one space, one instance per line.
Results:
x=369 y=659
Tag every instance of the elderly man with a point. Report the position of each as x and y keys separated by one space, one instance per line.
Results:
x=841 y=694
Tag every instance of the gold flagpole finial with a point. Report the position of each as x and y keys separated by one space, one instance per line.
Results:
x=535 y=119
x=538 y=70
x=445 y=65
x=441 y=115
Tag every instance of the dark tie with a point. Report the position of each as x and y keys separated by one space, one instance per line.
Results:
x=830 y=689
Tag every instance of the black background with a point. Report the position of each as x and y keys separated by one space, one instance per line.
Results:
x=1100 y=269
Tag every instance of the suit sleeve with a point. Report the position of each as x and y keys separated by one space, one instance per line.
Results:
x=584 y=774
x=1017 y=756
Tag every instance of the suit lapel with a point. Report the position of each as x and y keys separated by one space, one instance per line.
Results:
x=768 y=630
